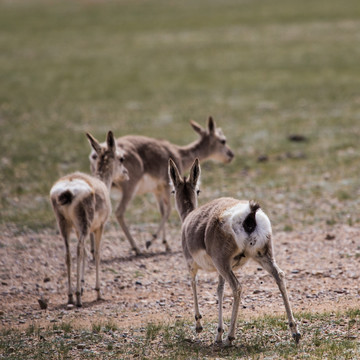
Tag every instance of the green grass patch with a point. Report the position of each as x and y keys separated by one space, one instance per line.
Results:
x=264 y=70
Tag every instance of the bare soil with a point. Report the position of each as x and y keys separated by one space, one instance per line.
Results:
x=322 y=268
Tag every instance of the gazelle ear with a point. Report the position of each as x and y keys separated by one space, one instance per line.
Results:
x=111 y=141
x=211 y=125
x=197 y=127
x=195 y=172
x=174 y=173
x=94 y=143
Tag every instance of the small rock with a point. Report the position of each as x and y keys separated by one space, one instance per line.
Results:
x=43 y=303
x=47 y=279
x=297 y=138
x=70 y=306
x=329 y=237
x=263 y=158
x=138 y=283
x=81 y=346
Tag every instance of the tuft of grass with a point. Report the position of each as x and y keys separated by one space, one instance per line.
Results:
x=96 y=328
x=152 y=330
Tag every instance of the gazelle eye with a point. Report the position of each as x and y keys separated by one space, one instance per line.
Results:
x=121 y=160
x=94 y=156
x=173 y=191
x=198 y=192
x=223 y=142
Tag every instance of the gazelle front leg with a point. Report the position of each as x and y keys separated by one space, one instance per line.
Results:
x=198 y=317
x=220 y=294
x=269 y=264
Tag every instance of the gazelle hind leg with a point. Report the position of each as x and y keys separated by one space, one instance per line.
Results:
x=98 y=235
x=220 y=294
x=165 y=209
x=79 y=265
x=120 y=211
x=269 y=264
x=92 y=246
x=65 y=230
x=83 y=270
x=236 y=289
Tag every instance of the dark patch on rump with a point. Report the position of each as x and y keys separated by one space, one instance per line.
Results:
x=249 y=223
x=65 y=198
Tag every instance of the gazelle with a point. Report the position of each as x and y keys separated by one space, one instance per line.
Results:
x=147 y=161
x=221 y=236
x=82 y=202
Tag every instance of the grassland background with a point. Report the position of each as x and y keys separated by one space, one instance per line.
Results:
x=263 y=69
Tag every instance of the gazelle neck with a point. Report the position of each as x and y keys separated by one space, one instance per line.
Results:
x=185 y=207
x=197 y=149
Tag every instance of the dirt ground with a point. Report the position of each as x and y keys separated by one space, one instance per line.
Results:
x=321 y=266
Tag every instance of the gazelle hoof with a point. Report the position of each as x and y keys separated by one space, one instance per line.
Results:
x=199 y=329
x=167 y=247
x=137 y=251
x=297 y=337
x=228 y=341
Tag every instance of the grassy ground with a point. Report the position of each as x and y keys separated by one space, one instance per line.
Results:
x=328 y=335
x=264 y=70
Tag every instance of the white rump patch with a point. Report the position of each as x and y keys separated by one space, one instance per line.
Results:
x=75 y=186
x=233 y=223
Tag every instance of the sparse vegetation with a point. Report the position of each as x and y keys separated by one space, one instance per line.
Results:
x=258 y=338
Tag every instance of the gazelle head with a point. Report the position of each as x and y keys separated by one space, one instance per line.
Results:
x=186 y=189
x=213 y=141
x=106 y=164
